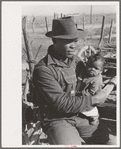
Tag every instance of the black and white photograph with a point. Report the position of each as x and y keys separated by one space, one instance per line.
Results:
x=60 y=68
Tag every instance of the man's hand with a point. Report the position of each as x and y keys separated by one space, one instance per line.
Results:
x=99 y=98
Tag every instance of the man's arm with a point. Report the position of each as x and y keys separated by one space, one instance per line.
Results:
x=62 y=102
x=54 y=94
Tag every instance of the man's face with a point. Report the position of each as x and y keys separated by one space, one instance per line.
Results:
x=66 y=47
x=94 y=68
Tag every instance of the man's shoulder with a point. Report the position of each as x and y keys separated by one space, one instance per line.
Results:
x=42 y=61
x=41 y=64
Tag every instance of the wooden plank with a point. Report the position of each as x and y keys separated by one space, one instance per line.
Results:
x=109 y=67
x=107 y=119
x=110 y=63
x=108 y=48
x=110 y=59
x=111 y=45
x=105 y=77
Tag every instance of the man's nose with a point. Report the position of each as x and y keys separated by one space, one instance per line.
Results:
x=73 y=45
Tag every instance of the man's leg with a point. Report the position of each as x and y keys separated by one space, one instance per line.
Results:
x=62 y=133
x=96 y=134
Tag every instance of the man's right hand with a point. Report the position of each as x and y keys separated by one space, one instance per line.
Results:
x=99 y=98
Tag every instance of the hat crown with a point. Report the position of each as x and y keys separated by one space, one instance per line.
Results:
x=64 y=26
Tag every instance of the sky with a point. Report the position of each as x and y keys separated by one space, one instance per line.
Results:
x=49 y=8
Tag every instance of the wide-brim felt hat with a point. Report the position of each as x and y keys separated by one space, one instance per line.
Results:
x=65 y=28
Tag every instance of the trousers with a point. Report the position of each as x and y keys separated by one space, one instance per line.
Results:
x=77 y=131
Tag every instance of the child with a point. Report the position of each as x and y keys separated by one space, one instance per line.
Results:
x=90 y=81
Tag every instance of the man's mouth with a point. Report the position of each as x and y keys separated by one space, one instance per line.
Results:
x=71 y=52
x=92 y=72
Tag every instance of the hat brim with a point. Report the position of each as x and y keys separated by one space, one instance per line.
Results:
x=79 y=34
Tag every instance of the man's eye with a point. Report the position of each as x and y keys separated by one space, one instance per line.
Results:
x=75 y=41
x=96 y=68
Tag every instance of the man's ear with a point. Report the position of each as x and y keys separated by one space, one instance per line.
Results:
x=54 y=40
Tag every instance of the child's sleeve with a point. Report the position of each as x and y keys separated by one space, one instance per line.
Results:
x=95 y=85
x=93 y=88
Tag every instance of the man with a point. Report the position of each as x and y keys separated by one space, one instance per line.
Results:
x=54 y=78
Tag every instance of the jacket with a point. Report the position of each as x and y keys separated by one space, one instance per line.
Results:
x=53 y=92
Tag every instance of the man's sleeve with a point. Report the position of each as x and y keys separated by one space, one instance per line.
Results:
x=54 y=94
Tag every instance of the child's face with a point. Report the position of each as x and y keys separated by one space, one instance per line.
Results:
x=94 y=68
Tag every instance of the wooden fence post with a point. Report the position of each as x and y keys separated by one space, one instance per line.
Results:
x=46 y=23
x=91 y=15
x=26 y=88
x=102 y=31
x=110 y=33
x=83 y=22
x=54 y=15
x=33 y=24
x=61 y=15
x=27 y=45
x=29 y=60
x=37 y=52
